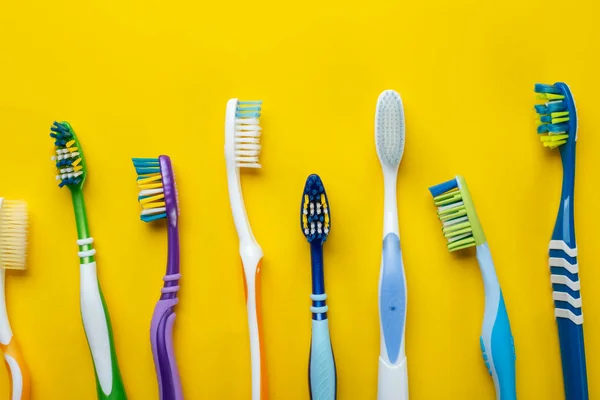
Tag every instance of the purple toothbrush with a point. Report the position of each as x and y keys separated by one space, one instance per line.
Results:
x=158 y=197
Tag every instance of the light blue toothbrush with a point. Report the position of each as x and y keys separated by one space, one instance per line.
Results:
x=463 y=230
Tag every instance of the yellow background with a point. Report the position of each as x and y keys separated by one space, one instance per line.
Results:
x=151 y=77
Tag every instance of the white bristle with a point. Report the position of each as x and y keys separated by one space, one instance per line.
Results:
x=151 y=192
x=318 y=208
x=13 y=234
x=455 y=238
x=455 y=221
x=312 y=208
x=156 y=210
x=247 y=147
x=389 y=128
x=450 y=206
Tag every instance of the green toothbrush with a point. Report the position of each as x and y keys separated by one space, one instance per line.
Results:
x=72 y=170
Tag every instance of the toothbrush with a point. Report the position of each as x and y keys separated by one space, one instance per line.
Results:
x=558 y=128
x=389 y=140
x=242 y=148
x=462 y=229
x=158 y=198
x=13 y=251
x=72 y=170
x=315 y=222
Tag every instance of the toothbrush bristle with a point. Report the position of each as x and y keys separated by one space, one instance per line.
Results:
x=69 y=161
x=150 y=183
x=247 y=134
x=452 y=212
x=13 y=234
x=389 y=128
x=552 y=115
x=315 y=217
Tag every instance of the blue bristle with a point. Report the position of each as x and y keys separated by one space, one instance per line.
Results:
x=147 y=170
x=543 y=88
x=248 y=109
x=542 y=129
x=153 y=217
x=558 y=128
x=443 y=187
x=546 y=118
x=556 y=106
x=541 y=109
x=247 y=115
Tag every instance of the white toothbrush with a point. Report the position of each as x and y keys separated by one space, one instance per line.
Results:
x=389 y=140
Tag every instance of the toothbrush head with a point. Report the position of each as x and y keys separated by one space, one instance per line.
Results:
x=242 y=133
x=556 y=115
x=315 y=217
x=158 y=192
x=389 y=129
x=70 y=163
x=461 y=226
x=13 y=234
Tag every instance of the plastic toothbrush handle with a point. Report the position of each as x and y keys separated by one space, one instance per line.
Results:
x=98 y=330
x=161 y=338
x=393 y=373
x=497 y=345
x=252 y=284
x=321 y=369
x=392 y=380
x=20 y=378
x=569 y=318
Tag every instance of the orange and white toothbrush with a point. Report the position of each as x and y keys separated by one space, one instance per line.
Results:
x=13 y=250
x=242 y=148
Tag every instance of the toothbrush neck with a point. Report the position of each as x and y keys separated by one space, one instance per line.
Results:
x=238 y=209
x=173 y=253
x=390 y=205
x=316 y=259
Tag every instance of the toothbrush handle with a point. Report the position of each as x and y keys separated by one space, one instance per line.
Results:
x=161 y=338
x=393 y=373
x=392 y=380
x=20 y=378
x=321 y=369
x=252 y=286
x=496 y=341
x=96 y=322
x=569 y=318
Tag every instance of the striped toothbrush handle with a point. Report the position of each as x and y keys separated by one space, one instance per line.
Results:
x=161 y=338
x=569 y=317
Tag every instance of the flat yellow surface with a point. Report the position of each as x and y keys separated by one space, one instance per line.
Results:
x=148 y=78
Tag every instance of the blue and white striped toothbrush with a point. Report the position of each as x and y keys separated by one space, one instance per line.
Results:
x=558 y=128
x=315 y=222
x=389 y=140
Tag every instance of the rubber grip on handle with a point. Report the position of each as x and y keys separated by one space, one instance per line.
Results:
x=392 y=381
x=19 y=374
x=321 y=370
x=161 y=338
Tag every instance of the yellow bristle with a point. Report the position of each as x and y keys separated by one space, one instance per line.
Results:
x=152 y=198
x=71 y=143
x=147 y=206
x=151 y=186
x=76 y=162
x=13 y=234
x=150 y=178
